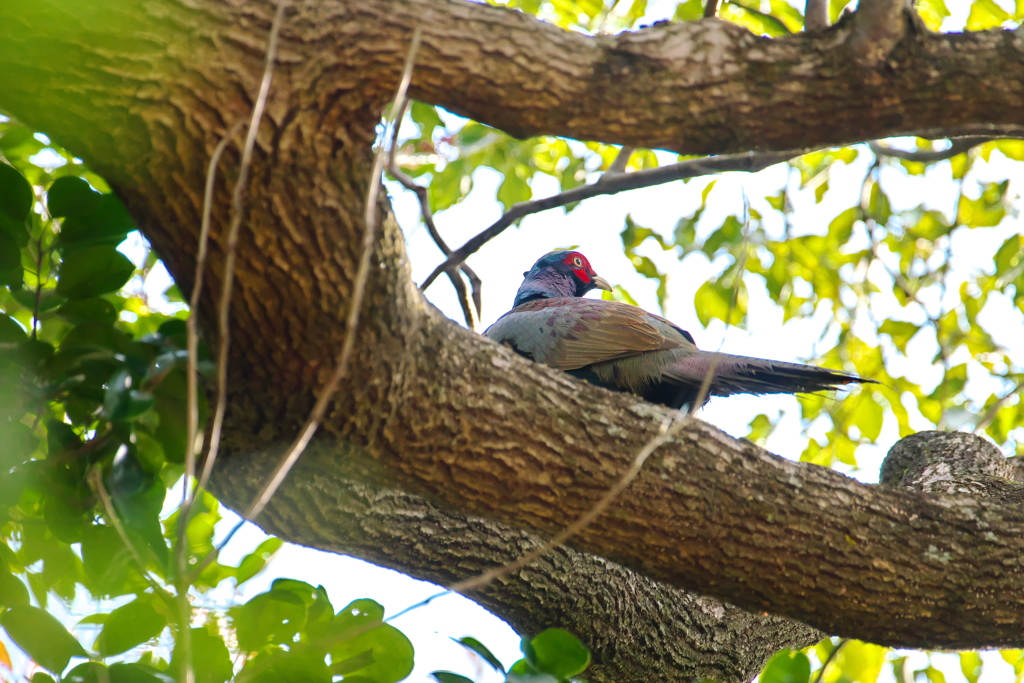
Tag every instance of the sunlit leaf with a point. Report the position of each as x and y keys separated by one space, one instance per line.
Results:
x=43 y=637
x=787 y=666
x=985 y=14
x=557 y=652
x=128 y=626
x=253 y=563
x=480 y=649
x=93 y=271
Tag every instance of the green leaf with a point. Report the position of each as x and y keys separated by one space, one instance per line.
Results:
x=900 y=331
x=211 y=660
x=787 y=666
x=16 y=195
x=1011 y=149
x=426 y=117
x=841 y=227
x=10 y=331
x=106 y=561
x=88 y=672
x=10 y=261
x=390 y=659
x=14 y=137
x=93 y=310
x=970 y=666
x=108 y=224
x=93 y=271
x=42 y=637
x=12 y=591
x=514 y=189
x=136 y=672
x=301 y=664
x=128 y=626
x=479 y=648
x=932 y=12
x=760 y=428
x=449 y=677
x=714 y=300
x=275 y=616
x=1009 y=254
x=985 y=14
x=138 y=498
x=689 y=10
x=71 y=196
x=753 y=19
x=559 y=653
x=861 y=662
x=253 y=563
x=980 y=213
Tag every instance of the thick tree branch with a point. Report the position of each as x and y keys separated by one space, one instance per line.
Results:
x=816 y=15
x=711 y=87
x=954 y=463
x=637 y=628
x=144 y=93
x=879 y=26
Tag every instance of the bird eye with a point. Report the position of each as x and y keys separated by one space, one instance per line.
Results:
x=577 y=262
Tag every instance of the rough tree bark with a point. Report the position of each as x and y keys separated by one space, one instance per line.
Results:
x=472 y=439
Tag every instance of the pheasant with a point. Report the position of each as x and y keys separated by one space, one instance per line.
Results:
x=625 y=348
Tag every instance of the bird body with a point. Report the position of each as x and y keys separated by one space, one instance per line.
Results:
x=625 y=348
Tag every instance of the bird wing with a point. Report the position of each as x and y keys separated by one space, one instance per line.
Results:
x=572 y=333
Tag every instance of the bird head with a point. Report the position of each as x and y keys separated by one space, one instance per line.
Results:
x=559 y=274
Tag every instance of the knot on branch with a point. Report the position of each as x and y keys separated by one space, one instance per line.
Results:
x=953 y=463
x=712 y=43
x=878 y=26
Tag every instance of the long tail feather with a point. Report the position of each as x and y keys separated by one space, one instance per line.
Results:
x=743 y=375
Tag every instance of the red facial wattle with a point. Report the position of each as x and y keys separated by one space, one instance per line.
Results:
x=580 y=266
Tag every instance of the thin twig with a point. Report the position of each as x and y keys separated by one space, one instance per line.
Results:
x=618 y=165
x=991 y=413
x=828 y=660
x=223 y=331
x=188 y=491
x=96 y=482
x=956 y=147
x=237 y=214
x=748 y=162
x=39 y=284
x=428 y=219
x=816 y=16
x=192 y=324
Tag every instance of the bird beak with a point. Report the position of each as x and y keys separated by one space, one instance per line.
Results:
x=600 y=283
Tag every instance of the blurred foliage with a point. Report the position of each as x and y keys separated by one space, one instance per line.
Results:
x=552 y=656
x=92 y=424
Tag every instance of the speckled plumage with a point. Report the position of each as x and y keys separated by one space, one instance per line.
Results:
x=624 y=348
